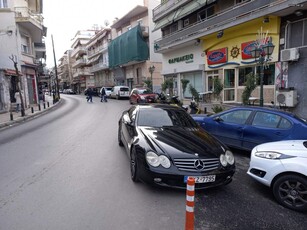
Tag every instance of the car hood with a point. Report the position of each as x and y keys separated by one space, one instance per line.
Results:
x=290 y=147
x=178 y=142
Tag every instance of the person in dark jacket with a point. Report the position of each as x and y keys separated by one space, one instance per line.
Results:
x=89 y=93
x=103 y=96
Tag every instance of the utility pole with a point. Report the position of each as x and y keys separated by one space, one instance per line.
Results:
x=14 y=60
x=56 y=72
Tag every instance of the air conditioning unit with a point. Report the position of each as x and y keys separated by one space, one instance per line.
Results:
x=287 y=97
x=290 y=54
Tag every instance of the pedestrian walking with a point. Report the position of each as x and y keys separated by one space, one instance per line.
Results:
x=18 y=101
x=103 y=96
x=89 y=93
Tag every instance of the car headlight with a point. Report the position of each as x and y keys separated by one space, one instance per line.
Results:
x=227 y=158
x=142 y=97
x=268 y=155
x=154 y=160
x=164 y=161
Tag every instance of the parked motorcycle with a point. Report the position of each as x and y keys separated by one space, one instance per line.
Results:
x=194 y=109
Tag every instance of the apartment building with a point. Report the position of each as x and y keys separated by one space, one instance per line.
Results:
x=98 y=58
x=22 y=34
x=82 y=77
x=65 y=70
x=206 y=39
x=131 y=57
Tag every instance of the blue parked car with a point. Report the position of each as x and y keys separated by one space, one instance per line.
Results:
x=246 y=127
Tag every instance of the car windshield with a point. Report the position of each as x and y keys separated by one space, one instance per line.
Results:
x=108 y=88
x=144 y=91
x=159 y=117
x=124 y=89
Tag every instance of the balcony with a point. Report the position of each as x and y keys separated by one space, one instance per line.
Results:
x=165 y=8
x=40 y=50
x=80 y=62
x=31 y=21
x=98 y=50
x=80 y=50
x=99 y=66
x=230 y=17
x=82 y=73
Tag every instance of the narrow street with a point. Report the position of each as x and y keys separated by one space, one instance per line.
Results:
x=65 y=170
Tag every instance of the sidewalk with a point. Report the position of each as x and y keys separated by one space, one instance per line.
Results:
x=9 y=119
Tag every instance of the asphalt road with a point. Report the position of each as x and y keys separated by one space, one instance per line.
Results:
x=65 y=170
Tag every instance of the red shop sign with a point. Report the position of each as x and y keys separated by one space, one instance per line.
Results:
x=246 y=48
x=217 y=56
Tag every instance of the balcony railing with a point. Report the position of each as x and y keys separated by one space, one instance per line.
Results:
x=24 y=14
x=78 y=50
x=80 y=73
x=166 y=7
x=222 y=20
x=99 y=66
x=79 y=62
x=97 y=50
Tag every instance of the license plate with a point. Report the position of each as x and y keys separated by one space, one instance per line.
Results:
x=201 y=179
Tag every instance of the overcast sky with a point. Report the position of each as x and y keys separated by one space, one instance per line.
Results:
x=63 y=18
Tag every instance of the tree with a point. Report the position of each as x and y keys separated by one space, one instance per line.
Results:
x=168 y=84
x=14 y=60
x=194 y=93
x=218 y=88
x=250 y=85
x=148 y=83
x=184 y=83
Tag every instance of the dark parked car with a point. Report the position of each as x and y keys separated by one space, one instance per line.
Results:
x=246 y=127
x=166 y=146
x=142 y=95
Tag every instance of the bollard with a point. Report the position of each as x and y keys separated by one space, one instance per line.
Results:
x=32 y=110
x=48 y=104
x=189 y=221
x=11 y=116
x=39 y=107
x=44 y=105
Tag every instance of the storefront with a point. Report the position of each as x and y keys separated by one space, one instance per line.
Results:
x=229 y=58
x=186 y=63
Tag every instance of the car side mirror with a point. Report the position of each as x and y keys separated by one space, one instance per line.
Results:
x=217 y=119
x=126 y=119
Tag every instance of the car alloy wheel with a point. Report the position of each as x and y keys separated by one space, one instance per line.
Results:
x=291 y=191
x=133 y=166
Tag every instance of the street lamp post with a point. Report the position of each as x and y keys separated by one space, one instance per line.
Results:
x=151 y=69
x=262 y=51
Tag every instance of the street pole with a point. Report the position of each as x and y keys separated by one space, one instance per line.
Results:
x=56 y=72
x=151 y=69
x=261 y=84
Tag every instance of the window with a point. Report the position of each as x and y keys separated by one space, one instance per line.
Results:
x=237 y=117
x=206 y=13
x=269 y=74
x=25 y=45
x=186 y=22
x=210 y=76
x=229 y=84
x=297 y=34
x=242 y=74
x=264 y=119
x=3 y=4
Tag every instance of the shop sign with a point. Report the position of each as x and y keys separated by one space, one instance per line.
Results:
x=246 y=48
x=217 y=56
x=186 y=58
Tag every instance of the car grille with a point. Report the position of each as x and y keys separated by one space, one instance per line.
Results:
x=197 y=165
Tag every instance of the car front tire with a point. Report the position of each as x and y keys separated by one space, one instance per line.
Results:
x=134 y=166
x=291 y=191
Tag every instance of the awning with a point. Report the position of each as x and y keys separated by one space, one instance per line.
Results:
x=188 y=8
x=165 y=21
x=93 y=59
x=10 y=72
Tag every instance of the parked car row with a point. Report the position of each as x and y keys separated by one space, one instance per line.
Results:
x=166 y=145
x=278 y=144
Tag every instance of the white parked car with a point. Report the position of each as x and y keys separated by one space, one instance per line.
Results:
x=120 y=92
x=282 y=166
x=108 y=91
